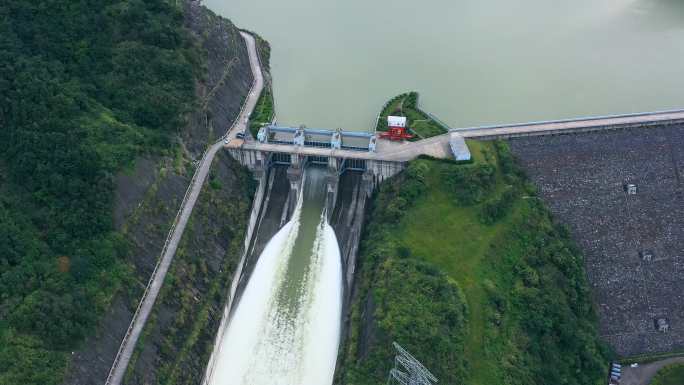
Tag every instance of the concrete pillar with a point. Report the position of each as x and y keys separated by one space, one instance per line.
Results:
x=382 y=170
x=296 y=160
x=332 y=182
x=373 y=168
x=368 y=183
x=259 y=163
x=336 y=140
x=294 y=175
x=334 y=164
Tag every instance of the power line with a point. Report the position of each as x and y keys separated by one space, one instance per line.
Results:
x=408 y=370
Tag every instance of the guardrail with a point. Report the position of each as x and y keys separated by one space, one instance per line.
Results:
x=258 y=58
x=154 y=272
x=435 y=119
x=239 y=115
x=255 y=208
x=588 y=119
x=136 y=315
x=574 y=126
x=320 y=131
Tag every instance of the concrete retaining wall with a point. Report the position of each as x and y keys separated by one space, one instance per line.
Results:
x=256 y=209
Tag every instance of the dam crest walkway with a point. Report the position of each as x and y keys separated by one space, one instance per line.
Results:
x=439 y=146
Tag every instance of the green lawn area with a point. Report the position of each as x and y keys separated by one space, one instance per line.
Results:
x=519 y=274
x=424 y=228
x=407 y=105
x=670 y=375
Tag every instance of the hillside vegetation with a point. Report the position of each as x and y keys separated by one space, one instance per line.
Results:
x=85 y=87
x=463 y=266
x=669 y=375
x=179 y=335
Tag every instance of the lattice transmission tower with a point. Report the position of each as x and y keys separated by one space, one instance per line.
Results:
x=408 y=370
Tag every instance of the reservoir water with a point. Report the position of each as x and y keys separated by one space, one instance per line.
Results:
x=285 y=329
x=475 y=62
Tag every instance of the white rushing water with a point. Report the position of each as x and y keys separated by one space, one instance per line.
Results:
x=285 y=329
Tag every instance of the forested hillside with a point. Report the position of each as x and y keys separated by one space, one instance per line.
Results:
x=463 y=266
x=85 y=87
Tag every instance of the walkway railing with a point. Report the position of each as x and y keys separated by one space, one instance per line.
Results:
x=254 y=213
x=136 y=315
x=572 y=120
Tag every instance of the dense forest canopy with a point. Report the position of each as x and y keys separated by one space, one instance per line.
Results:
x=85 y=87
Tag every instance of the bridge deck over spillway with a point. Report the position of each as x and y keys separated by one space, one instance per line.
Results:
x=437 y=147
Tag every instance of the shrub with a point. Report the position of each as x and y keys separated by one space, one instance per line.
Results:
x=670 y=375
x=497 y=208
x=470 y=184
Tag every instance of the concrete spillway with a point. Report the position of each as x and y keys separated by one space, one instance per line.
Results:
x=285 y=328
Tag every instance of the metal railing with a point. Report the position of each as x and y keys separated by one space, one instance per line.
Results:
x=255 y=207
x=572 y=120
x=437 y=120
x=239 y=115
x=136 y=315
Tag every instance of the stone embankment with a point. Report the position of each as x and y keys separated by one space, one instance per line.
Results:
x=632 y=241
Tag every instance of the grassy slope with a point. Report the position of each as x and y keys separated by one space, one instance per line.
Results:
x=424 y=229
x=194 y=293
x=497 y=266
x=669 y=375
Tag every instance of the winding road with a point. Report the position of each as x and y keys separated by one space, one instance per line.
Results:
x=154 y=285
x=643 y=374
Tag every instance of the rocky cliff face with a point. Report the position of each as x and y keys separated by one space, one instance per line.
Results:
x=227 y=76
x=178 y=338
x=180 y=333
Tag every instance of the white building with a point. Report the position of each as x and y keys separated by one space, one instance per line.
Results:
x=396 y=121
x=459 y=147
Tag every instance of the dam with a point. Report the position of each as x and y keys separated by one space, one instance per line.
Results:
x=302 y=253
x=345 y=178
x=287 y=207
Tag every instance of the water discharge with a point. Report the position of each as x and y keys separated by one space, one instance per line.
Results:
x=285 y=329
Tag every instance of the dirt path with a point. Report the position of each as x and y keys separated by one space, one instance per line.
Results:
x=127 y=347
x=643 y=374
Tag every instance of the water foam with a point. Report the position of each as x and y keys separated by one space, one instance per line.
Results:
x=269 y=343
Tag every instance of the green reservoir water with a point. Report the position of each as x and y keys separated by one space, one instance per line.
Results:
x=335 y=62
